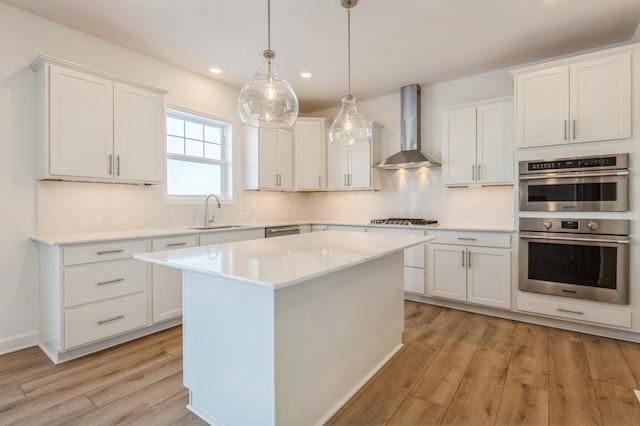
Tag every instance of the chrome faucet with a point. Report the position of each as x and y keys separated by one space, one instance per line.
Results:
x=208 y=220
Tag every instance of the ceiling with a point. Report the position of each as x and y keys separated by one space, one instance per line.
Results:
x=394 y=43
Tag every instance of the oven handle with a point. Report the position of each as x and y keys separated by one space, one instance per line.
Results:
x=588 y=240
x=574 y=175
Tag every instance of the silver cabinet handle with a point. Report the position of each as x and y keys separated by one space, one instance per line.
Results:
x=319 y=181
x=350 y=176
x=473 y=172
x=564 y=130
x=479 y=171
x=117 y=280
x=463 y=258
x=110 y=251
x=176 y=244
x=573 y=128
x=467 y=239
x=468 y=258
x=345 y=181
x=118 y=165
x=110 y=164
x=110 y=319
x=570 y=311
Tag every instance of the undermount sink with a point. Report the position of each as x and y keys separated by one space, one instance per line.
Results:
x=205 y=228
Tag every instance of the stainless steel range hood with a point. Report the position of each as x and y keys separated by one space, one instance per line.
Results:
x=410 y=155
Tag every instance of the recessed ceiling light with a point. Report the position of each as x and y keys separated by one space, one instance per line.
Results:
x=215 y=70
x=306 y=74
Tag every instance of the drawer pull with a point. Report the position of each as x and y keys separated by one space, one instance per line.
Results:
x=176 y=244
x=110 y=319
x=570 y=311
x=117 y=280
x=110 y=251
x=467 y=239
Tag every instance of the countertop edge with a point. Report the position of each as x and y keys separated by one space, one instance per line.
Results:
x=144 y=233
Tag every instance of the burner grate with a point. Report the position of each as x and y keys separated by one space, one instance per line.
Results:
x=404 y=221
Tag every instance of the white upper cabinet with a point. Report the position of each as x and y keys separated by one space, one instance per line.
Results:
x=350 y=167
x=138 y=129
x=276 y=159
x=310 y=147
x=477 y=143
x=80 y=124
x=95 y=127
x=583 y=101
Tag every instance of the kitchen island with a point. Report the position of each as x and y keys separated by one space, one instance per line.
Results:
x=285 y=330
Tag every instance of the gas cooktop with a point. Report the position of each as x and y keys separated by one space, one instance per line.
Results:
x=404 y=221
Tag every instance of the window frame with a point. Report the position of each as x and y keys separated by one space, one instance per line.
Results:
x=226 y=151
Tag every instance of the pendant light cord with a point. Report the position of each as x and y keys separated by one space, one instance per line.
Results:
x=349 y=46
x=269 y=24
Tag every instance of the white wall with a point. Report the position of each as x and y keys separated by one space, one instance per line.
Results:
x=29 y=207
x=419 y=192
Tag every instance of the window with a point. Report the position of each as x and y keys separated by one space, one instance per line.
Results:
x=198 y=155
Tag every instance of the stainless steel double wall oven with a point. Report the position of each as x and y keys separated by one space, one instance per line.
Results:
x=575 y=257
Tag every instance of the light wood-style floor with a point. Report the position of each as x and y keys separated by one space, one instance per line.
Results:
x=455 y=368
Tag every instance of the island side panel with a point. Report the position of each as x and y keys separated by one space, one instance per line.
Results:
x=228 y=350
x=332 y=334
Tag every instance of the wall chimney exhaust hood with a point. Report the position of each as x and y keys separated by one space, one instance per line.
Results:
x=410 y=155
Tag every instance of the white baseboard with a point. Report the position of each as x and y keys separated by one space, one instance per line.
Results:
x=16 y=343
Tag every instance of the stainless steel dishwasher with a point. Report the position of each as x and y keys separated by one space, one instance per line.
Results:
x=279 y=231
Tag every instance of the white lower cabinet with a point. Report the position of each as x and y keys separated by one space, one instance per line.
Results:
x=472 y=267
x=231 y=236
x=91 y=295
x=575 y=310
x=414 y=260
x=167 y=282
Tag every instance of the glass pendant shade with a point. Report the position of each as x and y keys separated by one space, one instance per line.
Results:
x=349 y=127
x=267 y=100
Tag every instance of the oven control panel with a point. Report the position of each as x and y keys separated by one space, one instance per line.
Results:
x=614 y=161
x=575 y=226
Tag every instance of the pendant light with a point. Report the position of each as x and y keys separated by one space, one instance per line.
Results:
x=349 y=127
x=267 y=100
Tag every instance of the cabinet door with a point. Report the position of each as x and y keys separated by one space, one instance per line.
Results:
x=337 y=166
x=268 y=139
x=495 y=142
x=167 y=282
x=489 y=277
x=285 y=159
x=81 y=124
x=309 y=143
x=459 y=146
x=360 y=166
x=414 y=280
x=138 y=134
x=447 y=264
x=601 y=99
x=542 y=107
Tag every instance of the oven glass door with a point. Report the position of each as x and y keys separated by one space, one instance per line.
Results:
x=572 y=193
x=584 y=265
x=586 y=268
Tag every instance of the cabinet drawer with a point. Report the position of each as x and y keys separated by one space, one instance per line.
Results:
x=174 y=243
x=92 y=283
x=94 y=322
x=576 y=312
x=100 y=252
x=414 y=280
x=471 y=238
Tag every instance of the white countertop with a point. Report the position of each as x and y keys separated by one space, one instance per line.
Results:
x=103 y=236
x=280 y=262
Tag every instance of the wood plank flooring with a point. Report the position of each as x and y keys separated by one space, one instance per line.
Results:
x=455 y=368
